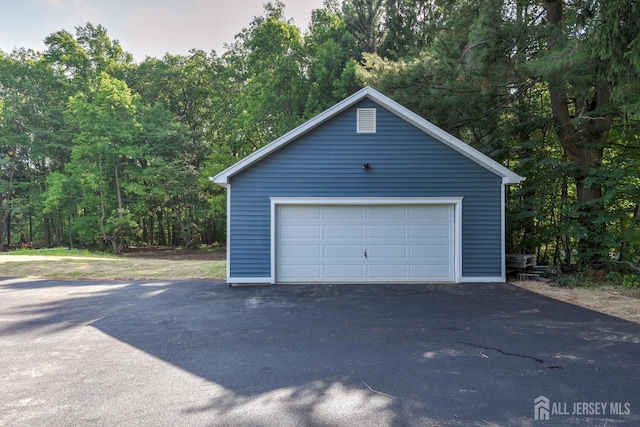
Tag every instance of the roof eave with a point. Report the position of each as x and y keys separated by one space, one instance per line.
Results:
x=513 y=179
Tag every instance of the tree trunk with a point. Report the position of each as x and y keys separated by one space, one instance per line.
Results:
x=151 y=230
x=47 y=231
x=583 y=139
x=70 y=238
x=57 y=231
x=8 y=226
x=162 y=237
x=115 y=234
x=114 y=245
x=145 y=229
x=3 y=221
x=564 y=197
x=103 y=213
x=591 y=245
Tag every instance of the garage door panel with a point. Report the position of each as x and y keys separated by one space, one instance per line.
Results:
x=301 y=212
x=386 y=212
x=310 y=272
x=300 y=251
x=430 y=270
x=343 y=231
x=301 y=231
x=430 y=212
x=386 y=231
x=344 y=271
x=430 y=231
x=430 y=251
x=343 y=251
x=347 y=212
x=387 y=271
x=375 y=252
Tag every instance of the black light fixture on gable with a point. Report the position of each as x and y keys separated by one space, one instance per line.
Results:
x=366 y=166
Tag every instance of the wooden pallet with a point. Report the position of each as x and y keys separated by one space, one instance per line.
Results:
x=520 y=261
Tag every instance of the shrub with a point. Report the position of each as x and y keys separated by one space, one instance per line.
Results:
x=631 y=281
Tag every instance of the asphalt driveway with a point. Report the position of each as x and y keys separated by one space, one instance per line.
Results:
x=200 y=353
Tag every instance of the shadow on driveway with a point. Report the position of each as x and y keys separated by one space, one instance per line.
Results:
x=201 y=353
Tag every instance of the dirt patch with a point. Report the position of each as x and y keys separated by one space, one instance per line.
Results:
x=175 y=254
x=621 y=303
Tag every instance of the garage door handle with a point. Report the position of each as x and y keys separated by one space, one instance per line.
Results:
x=365 y=254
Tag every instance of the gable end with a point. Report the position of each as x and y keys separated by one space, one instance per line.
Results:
x=508 y=176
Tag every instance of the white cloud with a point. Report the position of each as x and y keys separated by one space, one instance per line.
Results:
x=143 y=27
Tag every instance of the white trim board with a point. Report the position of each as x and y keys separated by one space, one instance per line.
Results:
x=482 y=279
x=249 y=280
x=228 y=188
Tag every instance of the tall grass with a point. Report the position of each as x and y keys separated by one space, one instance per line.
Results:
x=61 y=263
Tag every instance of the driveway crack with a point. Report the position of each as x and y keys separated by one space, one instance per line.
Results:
x=484 y=347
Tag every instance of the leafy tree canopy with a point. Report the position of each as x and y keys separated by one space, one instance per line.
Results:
x=96 y=149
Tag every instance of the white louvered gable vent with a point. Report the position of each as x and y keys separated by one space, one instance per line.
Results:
x=366 y=120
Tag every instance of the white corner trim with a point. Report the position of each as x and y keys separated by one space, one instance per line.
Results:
x=503 y=231
x=272 y=249
x=228 y=187
x=457 y=229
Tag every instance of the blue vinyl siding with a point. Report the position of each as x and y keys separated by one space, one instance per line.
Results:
x=327 y=162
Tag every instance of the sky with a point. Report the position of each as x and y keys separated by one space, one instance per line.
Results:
x=143 y=27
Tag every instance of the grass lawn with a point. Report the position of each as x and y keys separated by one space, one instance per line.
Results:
x=78 y=264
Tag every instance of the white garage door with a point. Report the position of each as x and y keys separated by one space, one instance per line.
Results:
x=385 y=243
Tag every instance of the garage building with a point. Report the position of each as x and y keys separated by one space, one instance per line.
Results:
x=366 y=192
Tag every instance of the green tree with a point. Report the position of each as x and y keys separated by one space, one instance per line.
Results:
x=81 y=58
x=186 y=108
x=106 y=119
x=410 y=27
x=480 y=78
x=364 y=19
x=330 y=50
x=582 y=83
x=269 y=64
x=60 y=202
x=76 y=61
x=166 y=181
x=34 y=136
